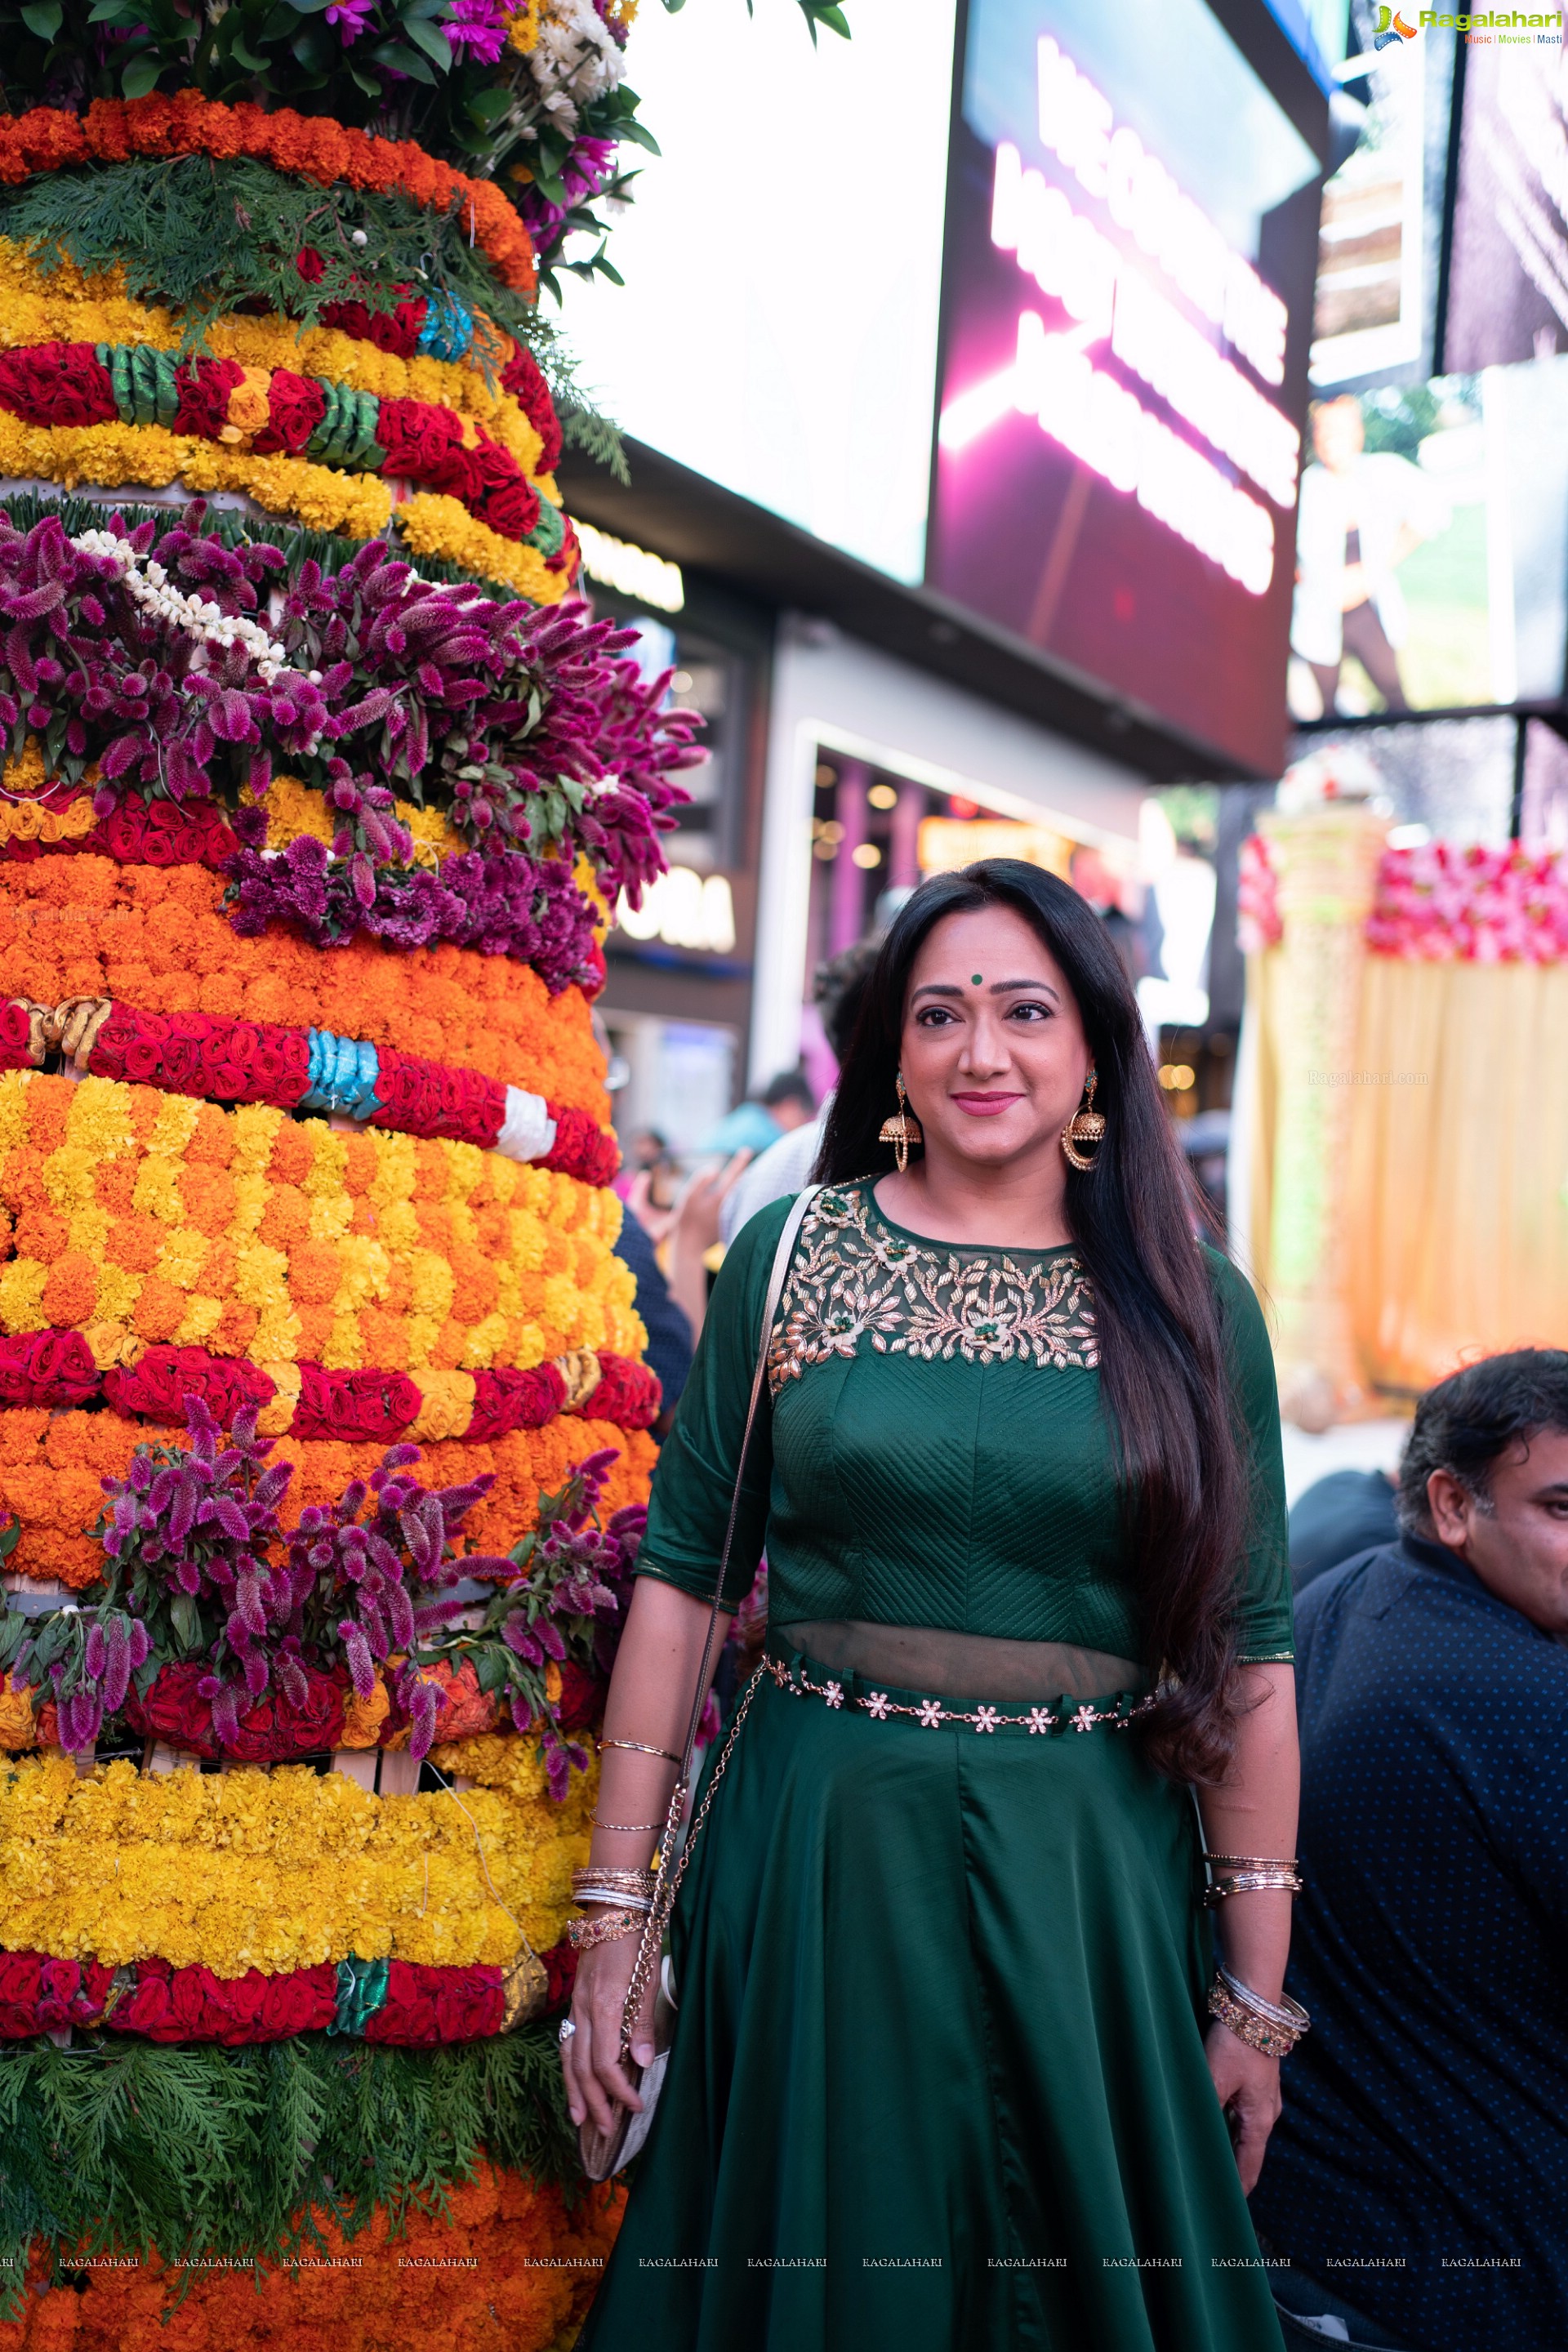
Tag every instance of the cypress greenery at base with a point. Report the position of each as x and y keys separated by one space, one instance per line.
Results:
x=195 y=2151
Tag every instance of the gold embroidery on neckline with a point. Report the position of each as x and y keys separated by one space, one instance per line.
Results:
x=852 y=1281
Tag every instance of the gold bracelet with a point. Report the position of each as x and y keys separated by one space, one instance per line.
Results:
x=628 y=1829
x=1251 y=1882
x=618 y=1881
x=1248 y=2025
x=585 y=1935
x=637 y=1749
x=1253 y=1861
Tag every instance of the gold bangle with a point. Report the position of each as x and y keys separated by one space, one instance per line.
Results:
x=624 y=1882
x=1253 y=1861
x=583 y=1935
x=1251 y=1882
x=637 y=1749
x=1258 y=2032
x=628 y=1829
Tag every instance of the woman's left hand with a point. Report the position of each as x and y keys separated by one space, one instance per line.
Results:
x=1247 y=2087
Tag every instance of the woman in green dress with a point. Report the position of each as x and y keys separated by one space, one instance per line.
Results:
x=939 y=2076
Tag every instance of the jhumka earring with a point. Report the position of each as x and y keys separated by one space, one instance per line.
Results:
x=903 y=1128
x=1087 y=1125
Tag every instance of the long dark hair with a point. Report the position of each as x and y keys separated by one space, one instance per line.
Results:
x=1184 y=1476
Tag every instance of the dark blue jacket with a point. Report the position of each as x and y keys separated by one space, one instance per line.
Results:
x=1420 y=2168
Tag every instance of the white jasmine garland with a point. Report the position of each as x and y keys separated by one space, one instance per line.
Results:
x=147 y=583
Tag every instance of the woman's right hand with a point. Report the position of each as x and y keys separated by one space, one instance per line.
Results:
x=596 y=2080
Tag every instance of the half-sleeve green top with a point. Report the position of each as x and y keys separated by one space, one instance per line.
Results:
x=936 y=1452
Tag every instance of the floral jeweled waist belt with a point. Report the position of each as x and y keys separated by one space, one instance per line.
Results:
x=801 y=1677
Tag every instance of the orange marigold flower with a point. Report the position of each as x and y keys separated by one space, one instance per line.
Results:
x=160 y=1308
x=70 y=1291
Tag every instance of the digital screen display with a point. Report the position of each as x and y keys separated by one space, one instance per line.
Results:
x=1125 y=304
x=777 y=329
x=1432 y=545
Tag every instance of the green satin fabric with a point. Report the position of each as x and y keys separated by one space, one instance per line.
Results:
x=937 y=2078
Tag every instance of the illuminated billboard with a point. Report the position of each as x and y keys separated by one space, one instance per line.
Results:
x=1125 y=304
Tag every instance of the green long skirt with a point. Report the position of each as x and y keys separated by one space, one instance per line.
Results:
x=938 y=2079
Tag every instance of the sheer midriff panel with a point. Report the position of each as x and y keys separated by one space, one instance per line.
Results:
x=961 y=1665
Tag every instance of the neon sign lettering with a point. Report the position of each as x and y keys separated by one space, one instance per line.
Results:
x=1068 y=258
x=1111 y=164
x=1109 y=430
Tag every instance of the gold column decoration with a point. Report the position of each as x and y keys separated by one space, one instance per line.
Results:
x=1326 y=861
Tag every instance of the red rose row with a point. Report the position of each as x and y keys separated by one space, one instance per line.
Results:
x=63 y=383
x=219 y=1060
x=56 y=1369
x=397 y=332
x=424 y=2006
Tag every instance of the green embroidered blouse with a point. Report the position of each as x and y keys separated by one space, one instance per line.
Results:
x=936 y=1453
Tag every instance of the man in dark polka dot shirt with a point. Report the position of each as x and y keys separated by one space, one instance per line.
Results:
x=1419 y=2174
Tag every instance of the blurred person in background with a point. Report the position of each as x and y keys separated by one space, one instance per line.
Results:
x=684 y=1235
x=786 y=1165
x=1417 y=2180
x=1361 y=516
x=785 y=1102
x=1344 y=1513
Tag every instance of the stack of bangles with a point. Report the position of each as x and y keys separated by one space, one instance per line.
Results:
x=627 y=1893
x=1272 y=2027
x=1246 y=1874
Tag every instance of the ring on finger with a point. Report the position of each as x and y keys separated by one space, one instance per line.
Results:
x=567 y=2030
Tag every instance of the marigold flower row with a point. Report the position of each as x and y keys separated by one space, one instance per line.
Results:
x=377 y=352
x=144 y=1216
x=499 y=2266
x=288 y=1869
x=357 y=506
x=53 y=1463
x=308 y=147
x=156 y=936
x=278 y=411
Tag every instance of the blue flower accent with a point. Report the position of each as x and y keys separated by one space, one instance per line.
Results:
x=449 y=328
x=342 y=1074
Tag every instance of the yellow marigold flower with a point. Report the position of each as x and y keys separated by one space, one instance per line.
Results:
x=157 y=1191
x=332 y=1212
x=344 y=1351
x=201 y=1319
x=329 y=1160
x=22 y=1293
x=181 y=1257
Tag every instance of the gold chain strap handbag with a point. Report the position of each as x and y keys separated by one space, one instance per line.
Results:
x=604 y=2153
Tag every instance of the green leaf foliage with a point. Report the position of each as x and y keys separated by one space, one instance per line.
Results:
x=203 y=237
x=116 y=2146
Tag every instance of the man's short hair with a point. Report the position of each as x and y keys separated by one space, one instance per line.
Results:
x=1467 y=1422
x=840 y=990
x=790 y=1086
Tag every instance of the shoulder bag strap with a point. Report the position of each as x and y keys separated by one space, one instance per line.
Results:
x=781 y=1256
x=653 y=1933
